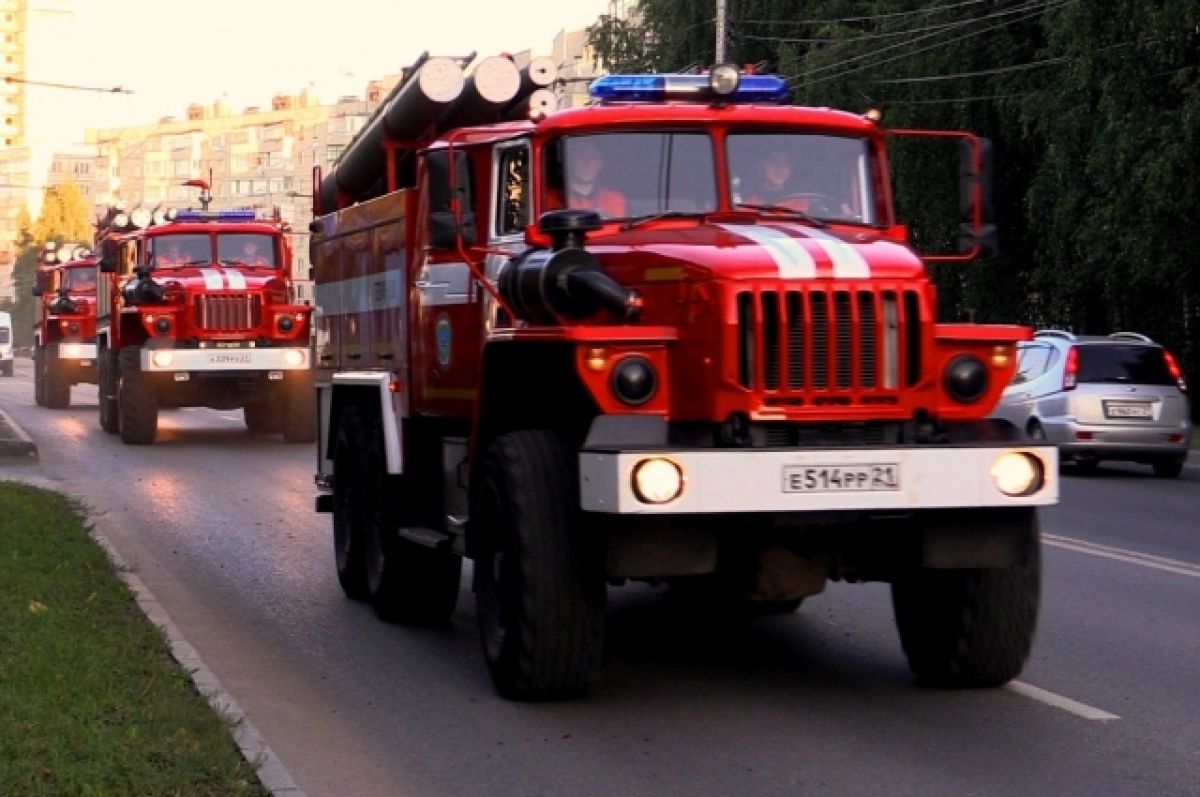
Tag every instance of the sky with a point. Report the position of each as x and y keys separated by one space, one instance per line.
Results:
x=171 y=53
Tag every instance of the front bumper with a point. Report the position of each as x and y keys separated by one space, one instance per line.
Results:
x=808 y=480
x=273 y=359
x=1110 y=441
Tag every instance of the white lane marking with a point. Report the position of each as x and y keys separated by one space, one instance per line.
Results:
x=789 y=254
x=1060 y=702
x=212 y=279
x=236 y=280
x=848 y=262
x=1122 y=555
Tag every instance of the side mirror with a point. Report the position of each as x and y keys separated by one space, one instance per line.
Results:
x=976 y=204
x=107 y=264
x=37 y=291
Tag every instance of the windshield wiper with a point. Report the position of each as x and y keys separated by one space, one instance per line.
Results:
x=785 y=210
x=666 y=214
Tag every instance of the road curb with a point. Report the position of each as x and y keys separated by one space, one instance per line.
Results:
x=271 y=772
x=14 y=442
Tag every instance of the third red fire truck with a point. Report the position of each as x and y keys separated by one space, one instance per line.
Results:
x=579 y=377
x=64 y=338
x=197 y=309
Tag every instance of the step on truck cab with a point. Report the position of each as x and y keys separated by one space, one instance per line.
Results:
x=659 y=371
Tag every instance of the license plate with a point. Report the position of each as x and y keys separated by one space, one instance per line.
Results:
x=841 y=478
x=1127 y=409
x=228 y=359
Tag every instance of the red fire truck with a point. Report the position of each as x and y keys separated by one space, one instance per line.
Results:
x=656 y=372
x=64 y=339
x=196 y=310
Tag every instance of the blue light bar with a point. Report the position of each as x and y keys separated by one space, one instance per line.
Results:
x=240 y=214
x=695 y=88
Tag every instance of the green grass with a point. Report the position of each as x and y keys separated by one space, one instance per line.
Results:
x=91 y=702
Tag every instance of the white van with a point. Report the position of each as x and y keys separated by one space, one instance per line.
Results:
x=6 y=344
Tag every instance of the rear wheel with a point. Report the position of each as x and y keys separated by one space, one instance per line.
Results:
x=406 y=582
x=107 y=366
x=349 y=516
x=137 y=404
x=539 y=574
x=57 y=382
x=1168 y=468
x=970 y=628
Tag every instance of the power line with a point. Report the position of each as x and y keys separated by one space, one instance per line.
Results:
x=72 y=87
x=1029 y=13
x=894 y=14
x=980 y=73
x=841 y=40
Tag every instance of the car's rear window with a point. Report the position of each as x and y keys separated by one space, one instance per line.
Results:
x=1138 y=365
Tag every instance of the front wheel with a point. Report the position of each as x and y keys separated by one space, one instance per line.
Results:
x=107 y=366
x=39 y=376
x=57 y=390
x=971 y=627
x=137 y=403
x=539 y=573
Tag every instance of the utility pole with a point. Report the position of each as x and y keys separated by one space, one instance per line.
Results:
x=720 y=31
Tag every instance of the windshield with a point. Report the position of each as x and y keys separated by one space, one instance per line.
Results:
x=173 y=251
x=624 y=175
x=79 y=280
x=1138 y=365
x=826 y=177
x=246 y=249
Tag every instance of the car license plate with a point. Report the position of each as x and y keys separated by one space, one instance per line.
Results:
x=841 y=478
x=1127 y=409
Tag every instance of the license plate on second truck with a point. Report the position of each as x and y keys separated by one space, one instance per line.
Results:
x=841 y=478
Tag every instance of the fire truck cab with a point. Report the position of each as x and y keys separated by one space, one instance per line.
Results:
x=688 y=383
x=196 y=309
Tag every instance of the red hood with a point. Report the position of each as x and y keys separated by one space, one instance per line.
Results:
x=219 y=278
x=751 y=251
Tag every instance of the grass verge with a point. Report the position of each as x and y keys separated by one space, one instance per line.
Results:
x=91 y=701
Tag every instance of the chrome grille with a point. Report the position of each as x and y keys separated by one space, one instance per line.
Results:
x=806 y=342
x=227 y=312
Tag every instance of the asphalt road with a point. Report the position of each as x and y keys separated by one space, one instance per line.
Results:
x=219 y=524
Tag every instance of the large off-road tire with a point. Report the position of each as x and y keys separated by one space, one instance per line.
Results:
x=137 y=403
x=539 y=575
x=107 y=390
x=261 y=416
x=349 y=509
x=299 y=423
x=406 y=582
x=57 y=390
x=39 y=376
x=971 y=628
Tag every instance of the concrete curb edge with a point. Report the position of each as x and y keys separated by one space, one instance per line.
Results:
x=269 y=768
x=22 y=446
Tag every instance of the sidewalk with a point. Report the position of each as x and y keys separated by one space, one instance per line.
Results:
x=14 y=443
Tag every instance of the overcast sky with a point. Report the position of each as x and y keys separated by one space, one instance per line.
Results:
x=174 y=52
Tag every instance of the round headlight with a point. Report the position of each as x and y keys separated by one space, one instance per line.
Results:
x=141 y=217
x=634 y=381
x=121 y=220
x=162 y=325
x=73 y=328
x=724 y=79
x=293 y=357
x=1016 y=474
x=966 y=378
x=285 y=323
x=162 y=359
x=657 y=481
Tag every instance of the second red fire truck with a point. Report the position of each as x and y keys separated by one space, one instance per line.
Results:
x=196 y=309
x=64 y=338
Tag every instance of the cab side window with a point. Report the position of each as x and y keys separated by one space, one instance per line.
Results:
x=512 y=185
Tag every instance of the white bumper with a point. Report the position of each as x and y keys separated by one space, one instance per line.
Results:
x=747 y=480
x=77 y=351
x=169 y=360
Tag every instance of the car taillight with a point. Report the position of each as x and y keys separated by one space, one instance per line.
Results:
x=1176 y=371
x=1071 y=372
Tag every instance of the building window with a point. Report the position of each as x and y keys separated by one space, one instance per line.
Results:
x=333 y=152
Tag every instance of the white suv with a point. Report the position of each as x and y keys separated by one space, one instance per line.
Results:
x=1120 y=397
